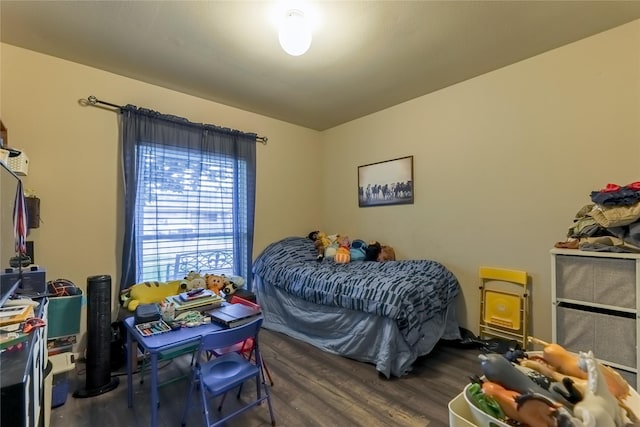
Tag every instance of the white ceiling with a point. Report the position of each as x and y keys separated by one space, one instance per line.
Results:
x=365 y=55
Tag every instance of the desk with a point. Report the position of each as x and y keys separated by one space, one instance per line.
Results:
x=154 y=345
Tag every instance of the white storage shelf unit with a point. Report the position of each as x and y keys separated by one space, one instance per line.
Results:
x=596 y=303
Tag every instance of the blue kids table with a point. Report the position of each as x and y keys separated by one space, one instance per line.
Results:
x=154 y=345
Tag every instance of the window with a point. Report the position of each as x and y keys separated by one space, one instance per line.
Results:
x=189 y=198
x=185 y=215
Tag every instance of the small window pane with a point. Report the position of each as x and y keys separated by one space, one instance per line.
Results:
x=185 y=218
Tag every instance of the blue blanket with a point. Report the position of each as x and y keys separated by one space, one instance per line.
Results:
x=411 y=292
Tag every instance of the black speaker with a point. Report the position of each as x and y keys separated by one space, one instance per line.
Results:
x=98 y=372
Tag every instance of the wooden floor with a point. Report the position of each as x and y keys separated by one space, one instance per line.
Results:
x=312 y=388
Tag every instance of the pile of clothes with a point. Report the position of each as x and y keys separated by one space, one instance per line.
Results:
x=610 y=224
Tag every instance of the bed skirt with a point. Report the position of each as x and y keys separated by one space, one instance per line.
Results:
x=357 y=335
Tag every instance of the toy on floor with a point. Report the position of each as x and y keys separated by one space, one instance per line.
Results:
x=578 y=390
x=598 y=406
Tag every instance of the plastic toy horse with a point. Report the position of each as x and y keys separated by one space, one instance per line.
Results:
x=598 y=407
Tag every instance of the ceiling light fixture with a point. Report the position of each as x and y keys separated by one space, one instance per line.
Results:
x=295 y=33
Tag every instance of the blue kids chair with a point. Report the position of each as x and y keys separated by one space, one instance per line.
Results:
x=227 y=372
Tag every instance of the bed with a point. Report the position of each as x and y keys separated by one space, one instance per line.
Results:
x=384 y=313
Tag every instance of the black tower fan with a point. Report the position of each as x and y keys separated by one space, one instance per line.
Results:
x=98 y=377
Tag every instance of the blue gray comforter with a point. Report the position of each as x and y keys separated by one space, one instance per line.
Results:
x=411 y=292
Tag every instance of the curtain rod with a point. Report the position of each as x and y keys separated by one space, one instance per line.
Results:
x=93 y=101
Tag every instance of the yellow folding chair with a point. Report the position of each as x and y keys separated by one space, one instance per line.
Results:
x=504 y=304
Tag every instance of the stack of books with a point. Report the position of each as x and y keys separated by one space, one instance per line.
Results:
x=15 y=314
x=11 y=319
x=233 y=315
x=202 y=300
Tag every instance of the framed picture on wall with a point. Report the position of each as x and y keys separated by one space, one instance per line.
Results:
x=386 y=183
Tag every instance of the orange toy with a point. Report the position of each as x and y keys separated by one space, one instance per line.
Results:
x=532 y=410
x=215 y=283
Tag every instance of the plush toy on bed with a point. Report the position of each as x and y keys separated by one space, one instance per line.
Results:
x=320 y=241
x=332 y=247
x=386 y=254
x=372 y=251
x=343 y=254
x=378 y=252
x=358 y=250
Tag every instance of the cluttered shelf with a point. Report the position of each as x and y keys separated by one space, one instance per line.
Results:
x=22 y=362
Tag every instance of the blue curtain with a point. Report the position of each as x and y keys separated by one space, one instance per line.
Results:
x=207 y=160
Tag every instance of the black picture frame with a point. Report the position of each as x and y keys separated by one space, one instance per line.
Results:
x=386 y=183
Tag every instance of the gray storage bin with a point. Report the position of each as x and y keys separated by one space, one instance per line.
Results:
x=607 y=335
x=605 y=281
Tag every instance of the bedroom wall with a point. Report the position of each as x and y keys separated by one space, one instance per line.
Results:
x=502 y=162
x=74 y=160
x=1 y=50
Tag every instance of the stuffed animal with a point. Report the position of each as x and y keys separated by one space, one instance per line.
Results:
x=343 y=254
x=378 y=252
x=332 y=246
x=151 y=292
x=358 y=250
x=386 y=254
x=230 y=288
x=372 y=251
x=216 y=283
x=317 y=238
x=233 y=284
x=194 y=280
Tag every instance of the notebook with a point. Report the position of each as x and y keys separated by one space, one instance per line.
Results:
x=196 y=304
x=196 y=294
x=232 y=315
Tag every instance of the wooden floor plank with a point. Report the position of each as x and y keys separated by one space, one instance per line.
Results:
x=312 y=388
